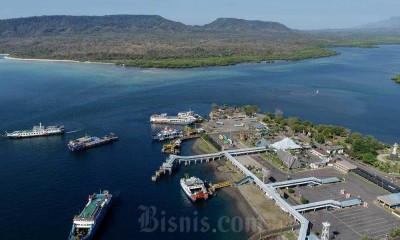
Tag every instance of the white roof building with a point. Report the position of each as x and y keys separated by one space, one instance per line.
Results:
x=286 y=143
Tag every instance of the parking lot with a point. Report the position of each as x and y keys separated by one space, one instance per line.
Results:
x=353 y=222
x=229 y=125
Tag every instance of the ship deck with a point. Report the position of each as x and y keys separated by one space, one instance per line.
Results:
x=89 y=209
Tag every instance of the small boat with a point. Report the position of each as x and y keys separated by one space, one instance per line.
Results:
x=85 y=224
x=317 y=92
x=194 y=188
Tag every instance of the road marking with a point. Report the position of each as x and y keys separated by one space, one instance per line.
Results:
x=365 y=223
x=357 y=216
x=346 y=225
x=380 y=230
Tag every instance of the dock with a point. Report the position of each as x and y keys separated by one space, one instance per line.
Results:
x=174 y=160
x=269 y=190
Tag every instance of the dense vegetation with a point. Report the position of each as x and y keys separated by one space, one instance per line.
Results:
x=362 y=148
x=152 y=41
x=396 y=78
x=251 y=110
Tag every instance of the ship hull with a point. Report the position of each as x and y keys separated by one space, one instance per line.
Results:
x=170 y=122
x=166 y=137
x=45 y=134
x=91 y=145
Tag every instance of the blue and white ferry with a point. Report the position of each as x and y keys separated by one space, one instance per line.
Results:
x=85 y=224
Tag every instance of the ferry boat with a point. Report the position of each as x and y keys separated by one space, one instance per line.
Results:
x=168 y=133
x=194 y=188
x=183 y=118
x=88 y=142
x=85 y=224
x=37 y=131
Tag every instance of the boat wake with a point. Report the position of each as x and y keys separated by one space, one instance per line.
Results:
x=116 y=194
x=74 y=131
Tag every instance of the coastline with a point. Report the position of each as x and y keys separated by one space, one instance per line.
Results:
x=49 y=60
x=239 y=202
x=201 y=62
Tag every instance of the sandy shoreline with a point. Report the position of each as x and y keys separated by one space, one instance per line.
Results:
x=245 y=210
x=48 y=60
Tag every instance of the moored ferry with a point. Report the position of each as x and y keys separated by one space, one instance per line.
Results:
x=88 y=142
x=168 y=133
x=194 y=188
x=183 y=118
x=85 y=224
x=37 y=131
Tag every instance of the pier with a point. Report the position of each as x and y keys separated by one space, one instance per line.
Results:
x=269 y=191
x=175 y=160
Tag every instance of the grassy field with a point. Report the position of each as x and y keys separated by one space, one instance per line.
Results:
x=274 y=160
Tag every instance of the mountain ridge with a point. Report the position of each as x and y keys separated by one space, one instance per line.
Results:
x=391 y=23
x=66 y=24
x=154 y=41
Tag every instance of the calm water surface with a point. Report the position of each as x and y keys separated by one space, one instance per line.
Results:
x=43 y=184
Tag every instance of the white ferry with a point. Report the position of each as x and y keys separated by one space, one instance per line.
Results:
x=37 y=131
x=183 y=118
x=194 y=188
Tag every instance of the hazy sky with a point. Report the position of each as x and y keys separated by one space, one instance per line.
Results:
x=300 y=14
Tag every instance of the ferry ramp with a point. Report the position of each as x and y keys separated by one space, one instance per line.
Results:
x=244 y=180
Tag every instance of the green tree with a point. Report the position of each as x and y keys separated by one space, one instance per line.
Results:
x=251 y=110
x=395 y=232
x=320 y=139
x=369 y=158
x=304 y=200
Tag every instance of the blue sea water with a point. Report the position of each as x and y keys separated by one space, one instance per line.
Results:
x=43 y=184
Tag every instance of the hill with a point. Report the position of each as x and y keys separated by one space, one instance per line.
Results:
x=391 y=23
x=68 y=25
x=234 y=24
x=153 y=41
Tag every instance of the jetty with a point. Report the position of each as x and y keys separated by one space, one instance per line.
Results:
x=174 y=160
x=269 y=190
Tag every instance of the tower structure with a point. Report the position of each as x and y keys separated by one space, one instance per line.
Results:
x=325 y=231
x=394 y=155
